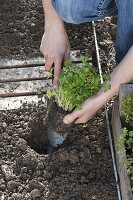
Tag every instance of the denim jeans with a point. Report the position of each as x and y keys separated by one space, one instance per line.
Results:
x=82 y=11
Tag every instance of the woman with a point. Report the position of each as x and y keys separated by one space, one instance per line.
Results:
x=56 y=49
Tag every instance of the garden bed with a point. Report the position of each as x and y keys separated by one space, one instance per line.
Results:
x=117 y=124
x=22 y=26
x=31 y=168
x=82 y=168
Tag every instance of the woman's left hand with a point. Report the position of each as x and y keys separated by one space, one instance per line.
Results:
x=89 y=108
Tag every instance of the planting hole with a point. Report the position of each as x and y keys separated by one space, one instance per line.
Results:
x=43 y=140
x=38 y=138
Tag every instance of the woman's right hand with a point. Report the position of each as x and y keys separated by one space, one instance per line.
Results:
x=56 y=48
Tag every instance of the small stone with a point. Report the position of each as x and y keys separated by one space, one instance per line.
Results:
x=24 y=169
x=25 y=176
x=17 y=196
x=21 y=34
x=5 y=135
x=38 y=173
x=17 y=125
x=35 y=194
x=12 y=185
x=25 y=125
x=94 y=123
x=33 y=25
x=11 y=24
x=7 y=170
x=47 y=176
x=15 y=31
x=30 y=172
x=4 y=125
x=87 y=161
x=30 y=160
x=86 y=150
x=99 y=150
x=28 y=196
x=21 y=145
x=20 y=189
x=35 y=184
x=26 y=118
x=20 y=130
x=40 y=166
x=2 y=196
x=81 y=154
x=42 y=106
x=2 y=187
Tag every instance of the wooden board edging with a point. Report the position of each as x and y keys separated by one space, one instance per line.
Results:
x=120 y=160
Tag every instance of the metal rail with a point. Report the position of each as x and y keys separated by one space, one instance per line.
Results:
x=107 y=116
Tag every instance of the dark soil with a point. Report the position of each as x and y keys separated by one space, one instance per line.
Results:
x=80 y=169
x=22 y=27
x=55 y=118
x=106 y=37
x=20 y=23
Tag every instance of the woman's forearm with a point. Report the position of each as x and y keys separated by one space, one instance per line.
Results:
x=124 y=71
x=122 y=74
x=55 y=44
x=51 y=16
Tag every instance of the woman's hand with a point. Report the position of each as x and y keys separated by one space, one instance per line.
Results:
x=89 y=108
x=55 y=44
x=55 y=48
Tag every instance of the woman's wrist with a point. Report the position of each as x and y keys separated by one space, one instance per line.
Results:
x=51 y=16
x=53 y=22
x=103 y=97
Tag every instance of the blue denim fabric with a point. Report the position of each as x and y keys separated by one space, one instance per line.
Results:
x=124 y=34
x=82 y=11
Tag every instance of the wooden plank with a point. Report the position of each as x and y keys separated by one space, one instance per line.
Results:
x=124 y=90
x=27 y=77
x=123 y=175
x=24 y=87
x=23 y=73
x=10 y=103
x=13 y=63
x=5 y=63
